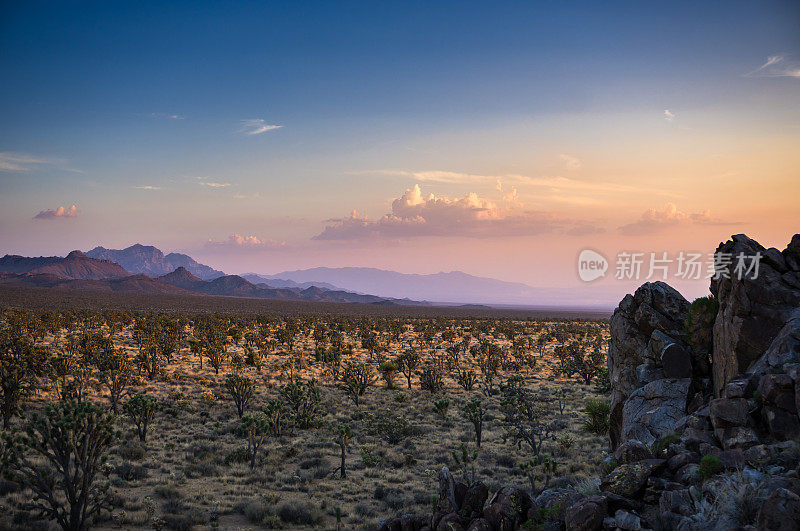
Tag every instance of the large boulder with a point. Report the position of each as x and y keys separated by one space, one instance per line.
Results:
x=652 y=411
x=508 y=508
x=587 y=514
x=642 y=325
x=628 y=480
x=752 y=311
x=779 y=512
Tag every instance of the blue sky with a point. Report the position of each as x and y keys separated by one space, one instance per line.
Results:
x=132 y=111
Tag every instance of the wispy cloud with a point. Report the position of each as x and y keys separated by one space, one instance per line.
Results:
x=776 y=66
x=147 y=187
x=570 y=162
x=657 y=219
x=166 y=116
x=60 y=212
x=212 y=184
x=238 y=241
x=544 y=186
x=254 y=195
x=669 y=115
x=256 y=126
x=20 y=161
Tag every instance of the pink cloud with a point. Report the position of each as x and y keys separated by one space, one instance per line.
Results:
x=657 y=219
x=414 y=214
x=60 y=212
x=237 y=241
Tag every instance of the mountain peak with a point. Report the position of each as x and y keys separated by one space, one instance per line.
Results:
x=75 y=255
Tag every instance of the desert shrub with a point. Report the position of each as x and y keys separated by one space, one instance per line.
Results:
x=168 y=492
x=369 y=457
x=709 y=466
x=597 y=416
x=130 y=472
x=132 y=451
x=602 y=382
x=393 y=430
x=441 y=406
x=239 y=455
x=664 y=443
x=431 y=379
x=177 y=522
x=401 y=397
x=300 y=513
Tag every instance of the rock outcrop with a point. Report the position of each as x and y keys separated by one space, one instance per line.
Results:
x=752 y=311
x=704 y=416
x=643 y=326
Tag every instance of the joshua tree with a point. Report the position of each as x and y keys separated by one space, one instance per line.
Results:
x=241 y=389
x=343 y=435
x=69 y=442
x=257 y=427
x=388 y=371
x=114 y=373
x=408 y=362
x=356 y=380
x=474 y=412
x=21 y=364
x=141 y=409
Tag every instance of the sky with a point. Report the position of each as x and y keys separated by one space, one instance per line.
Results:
x=496 y=138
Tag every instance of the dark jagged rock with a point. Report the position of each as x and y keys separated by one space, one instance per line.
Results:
x=628 y=480
x=655 y=309
x=752 y=311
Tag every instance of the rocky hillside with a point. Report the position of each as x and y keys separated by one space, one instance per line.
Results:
x=704 y=423
x=78 y=266
x=150 y=261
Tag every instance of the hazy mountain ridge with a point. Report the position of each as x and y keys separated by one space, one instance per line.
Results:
x=453 y=286
x=151 y=261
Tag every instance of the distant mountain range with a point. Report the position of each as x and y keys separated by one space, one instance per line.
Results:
x=450 y=287
x=276 y=282
x=150 y=261
x=81 y=272
x=109 y=269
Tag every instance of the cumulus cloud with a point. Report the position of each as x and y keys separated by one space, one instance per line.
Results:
x=776 y=66
x=60 y=212
x=414 y=214
x=256 y=126
x=238 y=241
x=669 y=115
x=656 y=219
